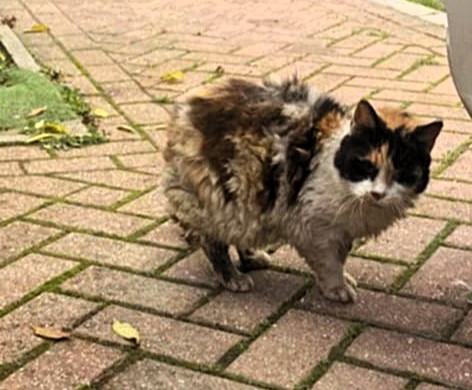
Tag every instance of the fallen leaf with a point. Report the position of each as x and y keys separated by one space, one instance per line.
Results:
x=219 y=70
x=50 y=333
x=41 y=136
x=173 y=77
x=36 y=112
x=52 y=127
x=37 y=28
x=126 y=331
x=128 y=129
x=100 y=113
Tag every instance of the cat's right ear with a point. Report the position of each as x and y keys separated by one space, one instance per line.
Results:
x=365 y=117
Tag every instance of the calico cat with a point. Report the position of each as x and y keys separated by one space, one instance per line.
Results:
x=254 y=165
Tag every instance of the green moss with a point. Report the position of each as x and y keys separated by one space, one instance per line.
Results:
x=22 y=91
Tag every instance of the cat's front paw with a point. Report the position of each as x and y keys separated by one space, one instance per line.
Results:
x=345 y=293
x=239 y=283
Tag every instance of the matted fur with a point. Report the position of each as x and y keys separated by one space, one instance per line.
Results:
x=252 y=165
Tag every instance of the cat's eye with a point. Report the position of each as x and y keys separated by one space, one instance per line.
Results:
x=364 y=169
x=408 y=176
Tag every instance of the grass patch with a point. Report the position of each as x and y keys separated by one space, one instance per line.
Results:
x=22 y=91
x=435 y=4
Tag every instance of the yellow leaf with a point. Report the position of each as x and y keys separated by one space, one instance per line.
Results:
x=128 y=129
x=126 y=331
x=37 y=28
x=173 y=77
x=37 y=111
x=41 y=136
x=101 y=113
x=50 y=333
x=39 y=125
x=53 y=127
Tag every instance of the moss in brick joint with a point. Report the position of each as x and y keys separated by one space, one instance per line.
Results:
x=404 y=277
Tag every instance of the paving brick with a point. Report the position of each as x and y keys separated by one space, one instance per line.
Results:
x=134 y=289
x=150 y=375
x=365 y=81
x=78 y=41
x=145 y=112
x=109 y=127
x=47 y=310
x=69 y=165
x=450 y=189
x=365 y=72
x=389 y=310
x=245 y=311
x=351 y=95
x=427 y=386
x=446 y=87
x=169 y=234
x=445 y=209
x=153 y=204
x=447 y=142
x=303 y=69
x=157 y=56
x=195 y=268
x=438 y=361
x=373 y=273
x=14 y=205
x=443 y=275
x=452 y=112
x=19 y=236
x=10 y=168
x=162 y=335
x=420 y=97
x=462 y=237
x=90 y=219
x=21 y=153
x=107 y=73
x=116 y=178
x=66 y=366
x=405 y=240
x=126 y=92
x=327 y=82
x=461 y=169
x=399 y=61
x=40 y=185
x=17 y=278
x=111 y=252
x=343 y=376
x=464 y=333
x=287 y=352
x=155 y=160
x=427 y=74
x=83 y=84
x=92 y=57
x=378 y=50
x=109 y=149
x=98 y=196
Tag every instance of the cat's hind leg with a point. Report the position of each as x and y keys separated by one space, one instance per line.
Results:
x=227 y=274
x=253 y=260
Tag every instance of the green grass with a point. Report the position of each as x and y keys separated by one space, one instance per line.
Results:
x=436 y=4
x=22 y=91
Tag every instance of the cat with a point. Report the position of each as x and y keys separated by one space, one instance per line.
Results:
x=254 y=165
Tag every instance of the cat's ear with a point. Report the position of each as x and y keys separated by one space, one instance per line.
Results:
x=365 y=117
x=427 y=134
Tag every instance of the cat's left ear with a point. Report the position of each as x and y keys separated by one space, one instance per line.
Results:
x=427 y=134
x=364 y=117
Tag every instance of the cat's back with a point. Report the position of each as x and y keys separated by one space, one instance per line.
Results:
x=244 y=140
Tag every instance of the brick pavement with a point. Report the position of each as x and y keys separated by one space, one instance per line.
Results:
x=84 y=237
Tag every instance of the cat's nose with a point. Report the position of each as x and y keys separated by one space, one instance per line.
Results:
x=377 y=195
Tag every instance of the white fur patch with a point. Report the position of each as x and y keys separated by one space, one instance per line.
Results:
x=362 y=188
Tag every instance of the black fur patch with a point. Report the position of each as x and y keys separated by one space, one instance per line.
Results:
x=271 y=184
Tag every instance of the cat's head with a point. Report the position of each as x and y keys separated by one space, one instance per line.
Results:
x=386 y=155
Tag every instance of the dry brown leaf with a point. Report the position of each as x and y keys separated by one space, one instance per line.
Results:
x=37 y=111
x=50 y=333
x=9 y=20
x=126 y=331
x=37 y=28
x=128 y=129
